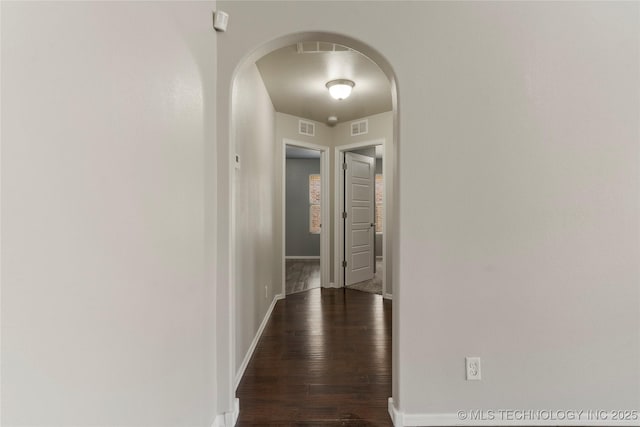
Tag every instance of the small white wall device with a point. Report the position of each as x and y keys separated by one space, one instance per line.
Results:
x=220 y=20
x=473 y=368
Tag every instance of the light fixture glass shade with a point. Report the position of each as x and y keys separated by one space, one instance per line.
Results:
x=340 y=89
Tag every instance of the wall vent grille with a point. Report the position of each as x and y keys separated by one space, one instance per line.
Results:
x=360 y=127
x=306 y=128
x=321 y=47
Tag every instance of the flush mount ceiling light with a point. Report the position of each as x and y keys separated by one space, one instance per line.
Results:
x=340 y=89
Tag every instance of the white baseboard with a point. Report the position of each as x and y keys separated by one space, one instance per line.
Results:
x=331 y=285
x=387 y=296
x=219 y=421
x=302 y=257
x=396 y=416
x=401 y=419
x=228 y=419
x=256 y=338
x=231 y=418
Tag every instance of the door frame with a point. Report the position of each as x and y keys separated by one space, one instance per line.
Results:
x=350 y=159
x=324 y=210
x=338 y=237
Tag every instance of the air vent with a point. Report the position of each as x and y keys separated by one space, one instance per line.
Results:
x=321 y=47
x=306 y=128
x=359 y=128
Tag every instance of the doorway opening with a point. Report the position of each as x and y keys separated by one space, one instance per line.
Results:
x=246 y=293
x=305 y=208
x=361 y=217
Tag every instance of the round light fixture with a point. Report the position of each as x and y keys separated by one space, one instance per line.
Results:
x=332 y=120
x=340 y=89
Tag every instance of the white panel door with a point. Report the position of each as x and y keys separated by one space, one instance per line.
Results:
x=359 y=224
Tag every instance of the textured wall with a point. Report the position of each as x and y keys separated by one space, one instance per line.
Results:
x=106 y=313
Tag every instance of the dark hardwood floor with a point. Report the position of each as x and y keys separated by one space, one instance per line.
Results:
x=324 y=359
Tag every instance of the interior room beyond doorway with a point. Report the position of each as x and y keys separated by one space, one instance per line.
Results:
x=303 y=225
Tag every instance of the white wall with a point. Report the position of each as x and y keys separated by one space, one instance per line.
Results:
x=287 y=127
x=518 y=193
x=257 y=263
x=380 y=126
x=106 y=314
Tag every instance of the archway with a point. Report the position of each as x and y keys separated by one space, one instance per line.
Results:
x=226 y=278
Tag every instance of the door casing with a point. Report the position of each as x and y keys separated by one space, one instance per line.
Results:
x=325 y=246
x=338 y=239
x=365 y=226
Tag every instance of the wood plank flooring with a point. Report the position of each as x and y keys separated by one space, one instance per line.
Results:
x=324 y=359
x=302 y=275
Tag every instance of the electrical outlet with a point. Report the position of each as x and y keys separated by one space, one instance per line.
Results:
x=473 y=368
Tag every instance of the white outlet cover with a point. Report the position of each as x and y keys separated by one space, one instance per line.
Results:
x=473 y=368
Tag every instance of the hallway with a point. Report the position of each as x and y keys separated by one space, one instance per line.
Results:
x=324 y=359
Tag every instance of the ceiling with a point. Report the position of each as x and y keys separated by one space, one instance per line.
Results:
x=301 y=153
x=296 y=82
